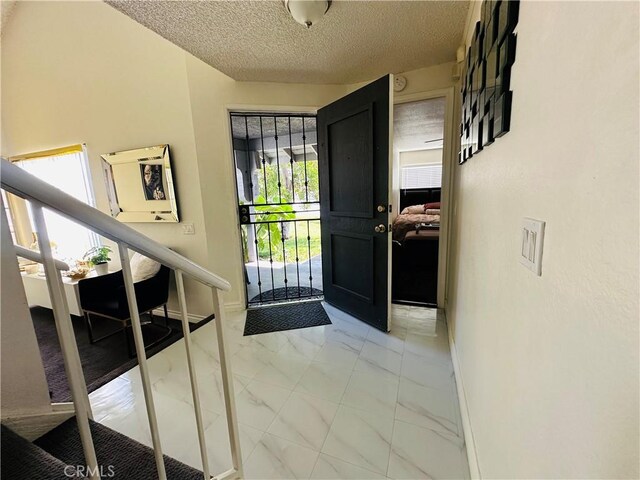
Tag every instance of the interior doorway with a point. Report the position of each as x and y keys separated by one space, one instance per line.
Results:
x=419 y=131
x=276 y=166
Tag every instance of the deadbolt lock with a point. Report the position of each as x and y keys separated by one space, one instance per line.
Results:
x=380 y=228
x=381 y=208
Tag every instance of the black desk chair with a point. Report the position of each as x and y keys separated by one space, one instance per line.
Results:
x=105 y=296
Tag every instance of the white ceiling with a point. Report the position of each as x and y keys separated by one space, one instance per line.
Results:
x=419 y=125
x=354 y=42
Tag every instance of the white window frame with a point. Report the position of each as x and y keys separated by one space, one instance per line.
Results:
x=93 y=238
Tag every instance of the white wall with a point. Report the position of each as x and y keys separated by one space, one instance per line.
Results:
x=421 y=157
x=550 y=364
x=81 y=72
x=24 y=385
x=78 y=72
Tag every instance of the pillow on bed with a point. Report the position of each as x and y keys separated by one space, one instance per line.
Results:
x=431 y=205
x=143 y=268
x=413 y=209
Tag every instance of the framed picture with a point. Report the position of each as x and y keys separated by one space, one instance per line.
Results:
x=152 y=181
x=140 y=185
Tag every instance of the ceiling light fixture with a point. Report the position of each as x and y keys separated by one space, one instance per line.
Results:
x=307 y=12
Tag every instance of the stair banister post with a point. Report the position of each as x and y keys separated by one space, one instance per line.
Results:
x=227 y=383
x=142 y=358
x=68 y=345
x=186 y=332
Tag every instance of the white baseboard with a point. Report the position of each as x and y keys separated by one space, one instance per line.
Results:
x=234 y=306
x=193 y=318
x=175 y=315
x=472 y=458
x=32 y=426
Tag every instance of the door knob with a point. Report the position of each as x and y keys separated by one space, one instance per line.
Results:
x=381 y=208
x=380 y=228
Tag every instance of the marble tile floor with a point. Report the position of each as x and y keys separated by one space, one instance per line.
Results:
x=329 y=402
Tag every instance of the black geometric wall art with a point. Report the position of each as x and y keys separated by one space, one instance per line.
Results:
x=486 y=78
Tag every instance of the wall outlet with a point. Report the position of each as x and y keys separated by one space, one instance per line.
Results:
x=188 y=229
x=531 y=245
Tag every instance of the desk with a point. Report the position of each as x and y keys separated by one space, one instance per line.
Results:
x=35 y=286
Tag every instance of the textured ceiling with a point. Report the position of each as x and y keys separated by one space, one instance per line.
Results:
x=354 y=42
x=419 y=125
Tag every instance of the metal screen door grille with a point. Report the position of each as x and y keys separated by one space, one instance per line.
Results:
x=276 y=164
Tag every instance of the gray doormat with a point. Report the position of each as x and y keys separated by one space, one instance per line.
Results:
x=290 y=316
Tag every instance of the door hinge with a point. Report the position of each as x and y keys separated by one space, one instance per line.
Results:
x=390 y=208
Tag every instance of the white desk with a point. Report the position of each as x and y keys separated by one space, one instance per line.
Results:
x=35 y=286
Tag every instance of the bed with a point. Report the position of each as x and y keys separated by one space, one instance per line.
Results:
x=416 y=218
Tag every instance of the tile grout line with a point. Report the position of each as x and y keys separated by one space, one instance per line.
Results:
x=395 y=411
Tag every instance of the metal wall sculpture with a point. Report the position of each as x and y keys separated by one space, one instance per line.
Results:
x=486 y=75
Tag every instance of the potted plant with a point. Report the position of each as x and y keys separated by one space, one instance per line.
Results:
x=98 y=257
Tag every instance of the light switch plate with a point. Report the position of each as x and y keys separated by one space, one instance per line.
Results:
x=531 y=244
x=188 y=229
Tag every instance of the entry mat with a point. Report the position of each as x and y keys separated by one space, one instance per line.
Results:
x=289 y=316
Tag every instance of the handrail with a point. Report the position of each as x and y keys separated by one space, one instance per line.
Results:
x=36 y=256
x=41 y=194
x=19 y=182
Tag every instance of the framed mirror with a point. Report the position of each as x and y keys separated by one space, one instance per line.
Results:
x=140 y=185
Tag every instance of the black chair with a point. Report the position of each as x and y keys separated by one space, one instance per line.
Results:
x=105 y=296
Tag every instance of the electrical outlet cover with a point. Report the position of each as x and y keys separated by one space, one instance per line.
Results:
x=531 y=244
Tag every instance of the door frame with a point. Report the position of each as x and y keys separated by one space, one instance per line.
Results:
x=448 y=161
x=231 y=175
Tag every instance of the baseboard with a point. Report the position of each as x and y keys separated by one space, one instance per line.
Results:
x=32 y=426
x=175 y=315
x=193 y=318
x=234 y=307
x=472 y=458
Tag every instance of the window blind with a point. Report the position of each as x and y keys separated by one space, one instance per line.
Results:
x=421 y=176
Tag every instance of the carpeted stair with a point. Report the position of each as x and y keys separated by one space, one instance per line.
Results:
x=119 y=457
x=22 y=460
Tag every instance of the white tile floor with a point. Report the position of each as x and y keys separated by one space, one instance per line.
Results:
x=336 y=401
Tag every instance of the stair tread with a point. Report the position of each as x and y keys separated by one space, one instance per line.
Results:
x=129 y=458
x=22 y=460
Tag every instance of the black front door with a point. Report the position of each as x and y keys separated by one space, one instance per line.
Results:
x=353 y=141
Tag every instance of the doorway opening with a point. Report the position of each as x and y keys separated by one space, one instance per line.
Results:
x=418 y=152
x=276 y=165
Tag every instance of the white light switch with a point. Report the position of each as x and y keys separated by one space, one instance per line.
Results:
x=531 y=246
x=188 y=229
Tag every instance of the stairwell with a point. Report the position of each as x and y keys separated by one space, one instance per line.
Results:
x=58 y=455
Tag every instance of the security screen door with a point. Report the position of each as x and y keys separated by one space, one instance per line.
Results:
x=276 y=164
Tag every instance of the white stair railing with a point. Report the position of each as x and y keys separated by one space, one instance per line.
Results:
x=42 y=195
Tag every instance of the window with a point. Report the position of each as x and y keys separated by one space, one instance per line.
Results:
x=421 y=176
x=66 y=169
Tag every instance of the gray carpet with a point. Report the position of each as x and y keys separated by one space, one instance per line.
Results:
x=128 y=459
x=102 y=361
x=22 y=460
x=289 y=316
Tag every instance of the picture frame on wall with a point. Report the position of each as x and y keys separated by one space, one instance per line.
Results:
x=152 y=181
x=140 y=185
x=486 y=80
